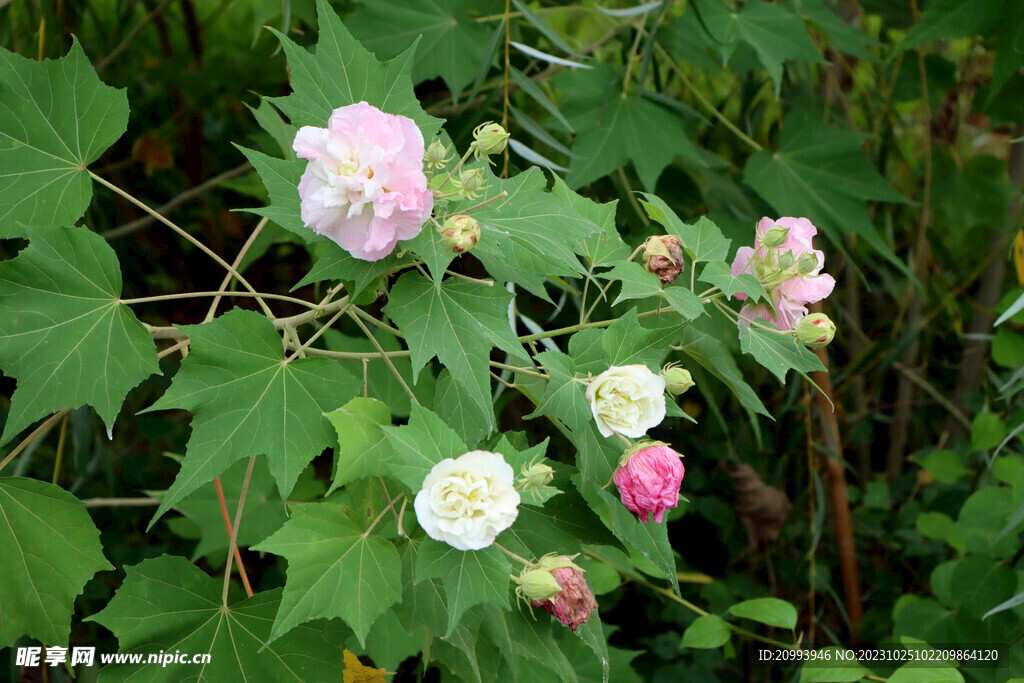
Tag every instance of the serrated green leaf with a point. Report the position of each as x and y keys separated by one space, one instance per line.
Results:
x=419 y=445
x=702 y=240
x=944 y=19
x=530 y=234
x=843 y=35
x=51 y=548
x=470 y=577
x=334 y=570
x=270 y=120
x=779 y=353
x=343 y=72
x=281 y=178
x=775 y=34
x=821 y=173
x=638 y=283
x=602 y=247
x=251 y=403
x=706 y=632
x=713 y=357
x=458 y=322
x=719 y=274
x=561 y=526
x=264 y=511
x=56 y=117
x=167 y=604
x=452 y=43
x=564 y=396
x=453 y=404
x=64 y=335
x=520 y=460
x=626 y=341
x=770 y=611
x=363 y=448
x=613 y=130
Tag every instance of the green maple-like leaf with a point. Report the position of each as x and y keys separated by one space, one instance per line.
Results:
x=343 y=72
x=716 y=359
x=614 y=129
x=944 y=19
x=821 y=173
x=719 y=274
x=63 y=332
x=168 y=604
x=564 y=398
x=458 y=322
x=775 y=34
x=247 y=400
x=778 y=353
x=363 y=448
x=601 y=247
x=470 y=577
x=419 y=445
x=453 y=43
x=638 y=283
x=51 y=548
x=626 y=341
x=263 y=515
x=334 y=570
x=454 y=405
x=702 y=241
x=530 y=234
x=56 y=118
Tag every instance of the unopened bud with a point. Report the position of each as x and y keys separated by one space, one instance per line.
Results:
x=677 y=379
x=471 y=181
x=815 y=330
x=490 y=138
x=537 y=583
x=460 y=233
x=663 y=256
x=807 y=263
x=786 y=260
x=537 y=475
x=437 y=155
x=775 y=237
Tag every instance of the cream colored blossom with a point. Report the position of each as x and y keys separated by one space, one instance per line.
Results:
x=467 y=501
x=628 y=399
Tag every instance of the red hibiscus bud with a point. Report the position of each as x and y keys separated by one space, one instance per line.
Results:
x=664 y=257
x=575 y=601
x=648 y=480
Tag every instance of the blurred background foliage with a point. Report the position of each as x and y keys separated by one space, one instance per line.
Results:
x=896 y=126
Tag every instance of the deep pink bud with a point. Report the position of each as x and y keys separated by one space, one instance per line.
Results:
x=573 y=604
x=649 y=479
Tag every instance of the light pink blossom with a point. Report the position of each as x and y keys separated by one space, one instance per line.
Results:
x=649 y=480
x=790 y=295
x=364 y=186
x=573 y=604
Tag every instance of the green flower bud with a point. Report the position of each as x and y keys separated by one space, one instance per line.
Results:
x=552 y=562
x=677 y=379
x=460 y=233
x=471 y=181
x=537 y=475
x=490 y=138
x=775 y=237
x=807 y=263
x=437 y=155
x=815 y=330
x=537 y=583
x=786 y=260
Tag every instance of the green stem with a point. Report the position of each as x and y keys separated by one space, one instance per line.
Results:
x=234 y=531
x=202 y=247
x=512 y=554
x=316 y=335
x=517 y=370
x=219 y=293
x=390 y=506
x=380 y=350
x=456 y=169
x=238 y=262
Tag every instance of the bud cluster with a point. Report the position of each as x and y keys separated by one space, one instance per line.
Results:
x=555 y=583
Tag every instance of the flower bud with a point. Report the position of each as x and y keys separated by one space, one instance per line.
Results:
x=648 y=479
x=664 y=257
x=460 y=233
x=786 y=260
x=815 y=330
x=574 y=602
x=471 y=181
x=677 y=379
x=807 y=263
x=775 y=237
x=437 y=155
x=490 y=138
x=537 y=583
x=537 y=475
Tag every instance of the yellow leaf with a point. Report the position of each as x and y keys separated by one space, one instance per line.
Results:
x=357 y=672
x=1018 y=257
